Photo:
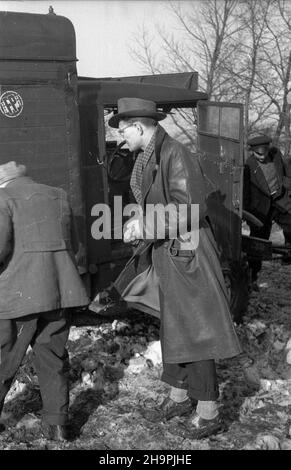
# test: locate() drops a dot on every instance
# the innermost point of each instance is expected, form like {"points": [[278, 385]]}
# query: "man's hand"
{"points": [[132, 232]]}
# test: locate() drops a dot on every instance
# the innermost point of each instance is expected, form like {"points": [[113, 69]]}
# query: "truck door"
{"points": [[106, 256], [94, 180], [220, 141]]}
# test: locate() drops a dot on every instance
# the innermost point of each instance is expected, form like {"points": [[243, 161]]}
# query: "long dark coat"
{"points": [[185, 286], [256, 194], [38, 271]]}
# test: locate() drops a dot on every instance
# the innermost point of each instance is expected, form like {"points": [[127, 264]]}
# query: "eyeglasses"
{"points": [[121, 131]]}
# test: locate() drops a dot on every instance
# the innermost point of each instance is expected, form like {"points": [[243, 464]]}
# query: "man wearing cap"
{"points": [[39, 284], [266, 194], [171, 276]]}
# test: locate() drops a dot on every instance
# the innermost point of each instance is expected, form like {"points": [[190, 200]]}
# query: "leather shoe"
{"points": [[252, 377], [286, 260], [56, 432], [250, 371], [199, 428], [255, 286], [167, 410]]}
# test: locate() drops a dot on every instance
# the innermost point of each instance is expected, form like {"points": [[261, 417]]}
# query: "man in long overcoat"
{"points": [[170, 274], [39, 284], [267, 191]]}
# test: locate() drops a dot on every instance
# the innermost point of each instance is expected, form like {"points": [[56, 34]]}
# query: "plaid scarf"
{"points": [[140, 163]]}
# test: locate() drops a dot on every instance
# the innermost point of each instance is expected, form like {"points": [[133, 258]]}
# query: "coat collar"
{"points": [[153, 164], [258, 174], [19, 181]]}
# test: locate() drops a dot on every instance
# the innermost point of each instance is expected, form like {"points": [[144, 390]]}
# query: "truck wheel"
{"points": [[237, 281]]}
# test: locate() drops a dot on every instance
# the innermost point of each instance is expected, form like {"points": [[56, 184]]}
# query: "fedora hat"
{"points": [[135, 107]]}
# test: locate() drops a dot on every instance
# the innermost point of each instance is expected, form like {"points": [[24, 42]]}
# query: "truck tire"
{"points": [[237, 280]]}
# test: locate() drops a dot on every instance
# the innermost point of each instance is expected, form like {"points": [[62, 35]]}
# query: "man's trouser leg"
{"points": [[262, 232], [52, 364], [15, 337], [199, 378], [284, 221]]}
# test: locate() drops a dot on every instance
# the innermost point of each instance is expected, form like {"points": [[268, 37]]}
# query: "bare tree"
{"points": [[252, 17], [273, 78], [241, 49], [204, 42]]}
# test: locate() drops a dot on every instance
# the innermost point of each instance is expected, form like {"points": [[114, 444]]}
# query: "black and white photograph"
{"points": [[145, 228]]}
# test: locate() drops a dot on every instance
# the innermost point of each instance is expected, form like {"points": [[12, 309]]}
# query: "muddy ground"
{"points": [[115, 369]]}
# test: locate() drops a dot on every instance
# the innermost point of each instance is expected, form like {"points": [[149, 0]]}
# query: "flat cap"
{"points": [[259, 141]]}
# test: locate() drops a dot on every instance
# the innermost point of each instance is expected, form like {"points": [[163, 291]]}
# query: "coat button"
{"points": [[174, 252]]}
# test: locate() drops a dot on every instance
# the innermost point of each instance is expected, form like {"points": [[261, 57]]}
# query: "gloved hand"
{"points": [[132, 231]]}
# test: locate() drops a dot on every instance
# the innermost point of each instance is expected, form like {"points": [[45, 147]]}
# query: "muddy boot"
{"points": [[252, 377], [199, 428], [56, 432], [254, 280], [286, 259], [255, 286], [167, 410], [250, 371]]}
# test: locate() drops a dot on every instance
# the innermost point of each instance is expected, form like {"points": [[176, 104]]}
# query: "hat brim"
{"points": [[259, 142], [116, 118]]}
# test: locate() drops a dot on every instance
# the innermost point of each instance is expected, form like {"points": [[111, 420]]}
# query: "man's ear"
{"points": [[139, 127]]}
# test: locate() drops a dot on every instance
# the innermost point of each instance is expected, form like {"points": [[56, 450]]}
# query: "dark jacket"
{"points": [[256, 195], [196, 322], [38, 270]]}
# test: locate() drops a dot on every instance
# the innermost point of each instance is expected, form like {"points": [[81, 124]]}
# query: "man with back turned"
{"points": [[39, 285]]}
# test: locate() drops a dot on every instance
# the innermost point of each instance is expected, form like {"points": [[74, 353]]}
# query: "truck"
{"points": [[55, 122]]}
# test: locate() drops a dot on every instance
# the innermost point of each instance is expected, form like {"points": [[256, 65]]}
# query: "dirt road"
{"points": [[111, 379]]}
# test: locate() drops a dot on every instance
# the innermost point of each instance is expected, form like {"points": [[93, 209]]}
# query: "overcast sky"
{"points": [[104, 29]]}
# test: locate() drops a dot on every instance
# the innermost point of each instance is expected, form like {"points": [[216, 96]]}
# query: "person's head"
{"points": [[259, 147], [11, 170], [136, 120], [136, 132]]}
